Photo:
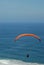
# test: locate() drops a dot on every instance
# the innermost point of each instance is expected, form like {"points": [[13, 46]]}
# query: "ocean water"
{"points": [[14, 53]]}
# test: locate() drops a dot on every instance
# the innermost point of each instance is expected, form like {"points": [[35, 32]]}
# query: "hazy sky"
{"points": [[21, 10]]}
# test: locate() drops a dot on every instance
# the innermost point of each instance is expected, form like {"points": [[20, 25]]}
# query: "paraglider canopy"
{"points": [[22, 35]]}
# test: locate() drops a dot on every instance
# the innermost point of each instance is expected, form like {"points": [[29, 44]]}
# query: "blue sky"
{"points": [[25, 10]]}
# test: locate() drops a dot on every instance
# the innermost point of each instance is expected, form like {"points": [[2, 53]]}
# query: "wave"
{"points": [[15, 62]]}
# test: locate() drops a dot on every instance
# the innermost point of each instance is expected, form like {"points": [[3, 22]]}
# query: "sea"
{"points": [[15, 53]]}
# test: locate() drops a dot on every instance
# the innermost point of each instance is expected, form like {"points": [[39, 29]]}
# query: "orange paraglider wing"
{"points": [[22, 35]]}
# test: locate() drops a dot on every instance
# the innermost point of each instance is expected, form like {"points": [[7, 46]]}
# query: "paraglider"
{"points": [[32, 35], [22, 35], [27, 56]]}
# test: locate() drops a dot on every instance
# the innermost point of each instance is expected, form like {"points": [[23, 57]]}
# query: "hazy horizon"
{"points": [[21, 10]]}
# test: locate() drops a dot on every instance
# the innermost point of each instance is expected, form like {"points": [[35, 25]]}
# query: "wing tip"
{"points": [[40, 40], [14, 40]]}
